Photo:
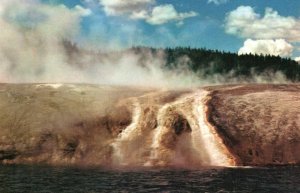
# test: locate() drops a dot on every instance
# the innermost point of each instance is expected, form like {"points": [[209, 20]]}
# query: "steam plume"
{"points": [[32, 49]]}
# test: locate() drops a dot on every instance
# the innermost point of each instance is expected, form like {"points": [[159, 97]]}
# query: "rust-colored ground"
{"points": [[259, 123], [93, 125]]}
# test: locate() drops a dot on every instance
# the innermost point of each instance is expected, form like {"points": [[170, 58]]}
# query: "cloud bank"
{"points": [[146, 10], [270, 33], [267, 47], [246, 23]]}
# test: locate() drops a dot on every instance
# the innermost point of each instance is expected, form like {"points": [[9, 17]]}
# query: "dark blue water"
{"points": [[58, 179]]}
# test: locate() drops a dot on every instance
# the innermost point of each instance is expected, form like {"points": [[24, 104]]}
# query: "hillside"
{"points": [[107, 126]]}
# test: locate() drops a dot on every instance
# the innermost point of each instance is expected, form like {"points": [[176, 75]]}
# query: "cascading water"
{"points": [[122, 143], [155, 144], [182, 137], [217, 152]]}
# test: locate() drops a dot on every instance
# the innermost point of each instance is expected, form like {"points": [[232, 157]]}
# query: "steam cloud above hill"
{"points": [[32, 50]]}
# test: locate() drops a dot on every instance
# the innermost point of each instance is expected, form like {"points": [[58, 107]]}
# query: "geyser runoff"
{"points": [[182, 136]]}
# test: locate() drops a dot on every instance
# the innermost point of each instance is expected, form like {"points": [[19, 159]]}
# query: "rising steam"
{"points": [[32, 50]]}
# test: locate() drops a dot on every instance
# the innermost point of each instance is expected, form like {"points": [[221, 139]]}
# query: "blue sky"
{"points": [[230, 25]]}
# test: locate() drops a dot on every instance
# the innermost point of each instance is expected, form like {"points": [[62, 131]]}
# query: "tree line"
{"points": [[210, 62]]}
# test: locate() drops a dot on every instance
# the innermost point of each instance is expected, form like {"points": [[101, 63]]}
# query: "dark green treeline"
{"points": [[209, 62]]}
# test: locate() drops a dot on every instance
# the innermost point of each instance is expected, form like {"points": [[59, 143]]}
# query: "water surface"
{"points": [[62, 179]]}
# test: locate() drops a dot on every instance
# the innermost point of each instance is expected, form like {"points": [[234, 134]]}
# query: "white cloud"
{"points": [[217, 2], [297, 59], [83, 11], [277, 47], [166, 13], [121, 7], [145, 10], [246, 23]]}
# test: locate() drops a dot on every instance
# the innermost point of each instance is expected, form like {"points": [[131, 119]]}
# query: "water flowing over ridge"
{"points": [[182, 136], [127, 127]]}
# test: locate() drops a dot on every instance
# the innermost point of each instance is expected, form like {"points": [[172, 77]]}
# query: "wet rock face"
{"points": [[260, 124], [8, 154], [117, 119], [180, 125], [174, 124]]}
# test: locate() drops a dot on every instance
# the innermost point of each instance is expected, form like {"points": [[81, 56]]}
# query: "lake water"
{"points": [[60, 179]]}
